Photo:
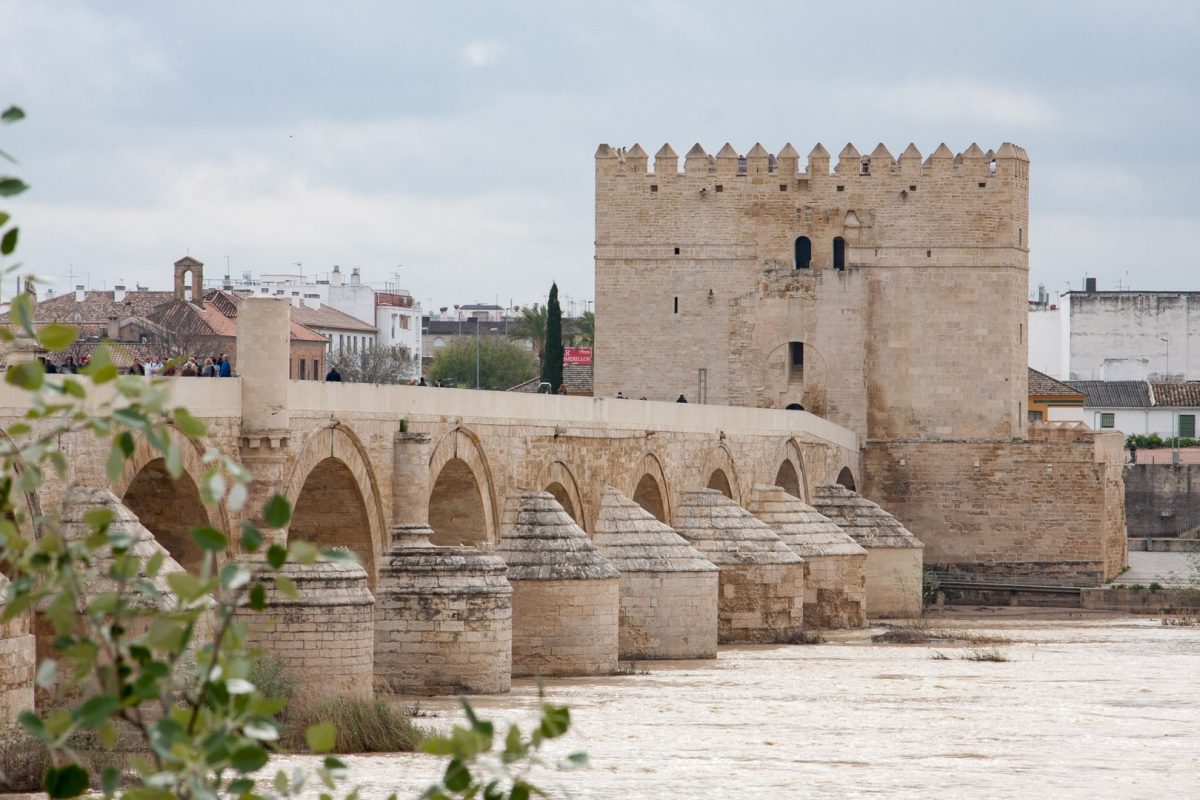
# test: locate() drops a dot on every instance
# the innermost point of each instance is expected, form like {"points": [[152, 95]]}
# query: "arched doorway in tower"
{"points": [[456, 511], [846, 478], [720, 481], [649, 496], [788, 479], [331, 512], [169, 509], [564, 499]]}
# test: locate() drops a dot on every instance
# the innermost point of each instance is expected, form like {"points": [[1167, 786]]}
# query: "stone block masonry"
{"points": [[325, 636], [1048, 510], [18, 662], [566, 595], [443, 618]]}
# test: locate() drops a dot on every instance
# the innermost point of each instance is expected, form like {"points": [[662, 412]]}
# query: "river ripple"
{"points": [[1085, 708]]}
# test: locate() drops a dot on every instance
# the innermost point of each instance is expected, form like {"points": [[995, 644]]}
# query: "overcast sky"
{"points": [[453, 142]]}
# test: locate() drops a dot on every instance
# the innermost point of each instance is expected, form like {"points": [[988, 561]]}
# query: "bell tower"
{"points": [[183, 267]]}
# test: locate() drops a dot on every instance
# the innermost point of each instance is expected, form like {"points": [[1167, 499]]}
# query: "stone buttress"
{"points": [[835, 589], [894, 555], [762, 581], [443, 615], [668, 589], [565, 593], [18, 662]]}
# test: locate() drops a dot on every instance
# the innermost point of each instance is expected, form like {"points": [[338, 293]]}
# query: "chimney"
{"points": [[313, 301], [118, 293], [355, 279], [1089, 284], [336, 278], [79, 293], [295, 299], [113, 330]]}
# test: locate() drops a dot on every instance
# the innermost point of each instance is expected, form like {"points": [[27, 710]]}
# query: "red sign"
{"points": [[577, 355]]}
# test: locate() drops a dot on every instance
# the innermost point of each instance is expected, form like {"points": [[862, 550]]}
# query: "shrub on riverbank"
{"points": [[363, 725]]}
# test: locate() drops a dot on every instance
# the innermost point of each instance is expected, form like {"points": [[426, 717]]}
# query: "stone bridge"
{"points": [[363, 464]]}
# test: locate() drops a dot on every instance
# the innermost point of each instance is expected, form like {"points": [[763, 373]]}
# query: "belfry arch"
{"points": [[335, 498], [650, 488], [846, 478], [461, 499]]}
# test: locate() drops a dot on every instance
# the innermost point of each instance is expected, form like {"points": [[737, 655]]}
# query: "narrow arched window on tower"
{"points": [[803, 252], [839, 253]]}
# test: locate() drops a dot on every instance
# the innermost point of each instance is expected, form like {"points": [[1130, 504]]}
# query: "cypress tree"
{"points": [[552, 364]]}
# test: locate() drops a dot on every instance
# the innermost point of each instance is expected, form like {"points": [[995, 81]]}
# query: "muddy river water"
{"points": [[1084, 707]]}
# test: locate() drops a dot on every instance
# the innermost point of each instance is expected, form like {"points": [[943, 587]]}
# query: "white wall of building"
{"points": [[1067, 414], [1047, 341], [1134, 336], [1140, 421], [400, 326]]}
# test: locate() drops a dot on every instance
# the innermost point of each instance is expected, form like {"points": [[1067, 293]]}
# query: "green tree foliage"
{"points": [[552, 360], [532, 326], [502, 364], [584, 330], [173, 670]]}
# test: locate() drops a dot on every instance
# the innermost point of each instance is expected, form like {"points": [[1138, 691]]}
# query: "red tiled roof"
{"points": [[1042, 384], [1186, 395]]}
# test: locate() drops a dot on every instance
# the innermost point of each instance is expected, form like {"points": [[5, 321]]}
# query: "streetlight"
{"points": [[477, 350], [1167, 339]]}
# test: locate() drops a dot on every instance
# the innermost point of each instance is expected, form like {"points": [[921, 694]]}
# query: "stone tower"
{"points": [[886, 295], [189, 267]]}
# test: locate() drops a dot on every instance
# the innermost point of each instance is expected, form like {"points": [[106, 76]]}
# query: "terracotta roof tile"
{"points": [[1113, 394], [1185, 395], [1042, 384]]}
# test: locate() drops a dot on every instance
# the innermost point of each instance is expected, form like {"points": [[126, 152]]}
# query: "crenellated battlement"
{"points": [[1008, 160]]}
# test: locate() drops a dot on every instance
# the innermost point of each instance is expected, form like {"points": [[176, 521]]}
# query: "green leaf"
{"points": [[12, 114], [258, 597], [437, 746], [520, 791], [185, 587], [457, 777], [115, 463], [276, 555], [321, 737], [555, 721], [96, 710], [302, 552], [8, 244], [155, 564], [261, 729], [252, 538], [239, 686], [576, 760], [21, 312], [107, 733], [110, 779], [234, 575], [277, 512], [55, 336], [69, 781], [286, 586], [188, 425], [26, 374], [10, 186], [47, 673], [248, 758], [33, 724], [98, 518], [174, 460], [209, 538]]}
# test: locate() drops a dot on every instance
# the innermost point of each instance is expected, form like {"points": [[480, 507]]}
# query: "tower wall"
{"points": [[921, 335]]}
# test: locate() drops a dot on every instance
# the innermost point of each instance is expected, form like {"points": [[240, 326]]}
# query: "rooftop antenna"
{"points": [[300, 267]]}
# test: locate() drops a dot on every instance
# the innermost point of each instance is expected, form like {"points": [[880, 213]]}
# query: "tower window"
{"points": [[839, 253], [676, 251], [803, 252], [654, 187], [795, 362], [676, 305]]}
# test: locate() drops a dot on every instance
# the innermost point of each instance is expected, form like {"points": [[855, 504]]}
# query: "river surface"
{"points": [[1086, 706]]}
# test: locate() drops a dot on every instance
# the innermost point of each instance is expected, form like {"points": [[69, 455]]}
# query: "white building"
{"points": [[1141, 407], [1048, 341], [391, 317], [1134, 336]]}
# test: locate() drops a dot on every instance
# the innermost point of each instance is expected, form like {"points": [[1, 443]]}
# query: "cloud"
{"points": [[968, 101], [482, 53]]}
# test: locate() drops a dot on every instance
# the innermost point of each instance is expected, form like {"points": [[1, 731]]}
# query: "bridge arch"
{"points": [[720, 473], [846, 478], [649, 488], [557, 479], [32, 505], [790, 473], [335, 496], [462, 498], [170, 508]]}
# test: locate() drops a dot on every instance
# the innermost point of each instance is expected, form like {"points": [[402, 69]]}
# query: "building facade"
{"points": [[1134, 336]]}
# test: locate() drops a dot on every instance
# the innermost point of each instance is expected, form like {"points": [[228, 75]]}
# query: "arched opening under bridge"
{"points": [[331, 512], [169, 509], [456, 511]]}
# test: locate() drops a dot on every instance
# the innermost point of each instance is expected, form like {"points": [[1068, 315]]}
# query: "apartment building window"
{"points": [[316, 369], [302, 365], [1187, 426], [404, 323], [1108, 420]]}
